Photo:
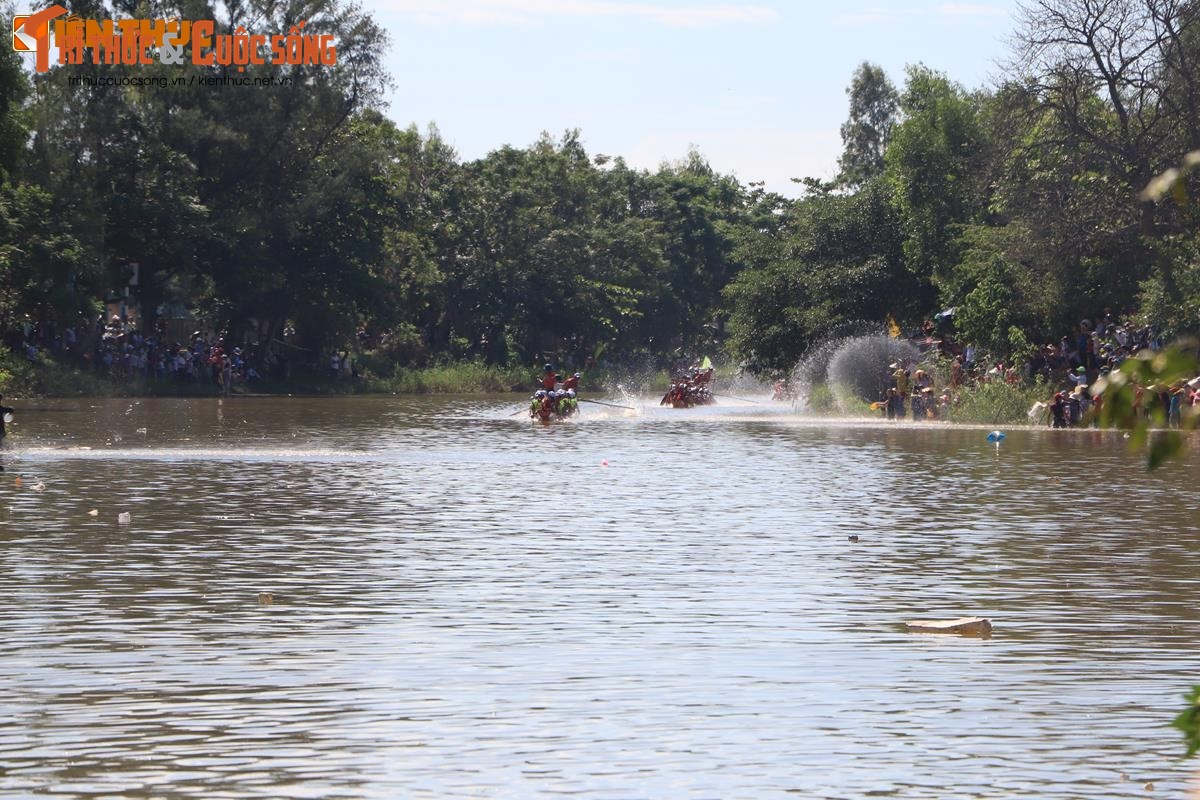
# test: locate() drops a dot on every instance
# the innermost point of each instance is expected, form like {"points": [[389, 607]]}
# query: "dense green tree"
{"points": [[930, 165], [985, 314], [14, 89], [836, 260]]}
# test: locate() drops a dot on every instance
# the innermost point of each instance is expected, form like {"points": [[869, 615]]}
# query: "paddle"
{"points": [[518, 411], [610, 405], [731, 397]]}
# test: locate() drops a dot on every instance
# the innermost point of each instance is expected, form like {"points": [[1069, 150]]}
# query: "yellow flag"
{"points": [[706, 363], [893, 328]]}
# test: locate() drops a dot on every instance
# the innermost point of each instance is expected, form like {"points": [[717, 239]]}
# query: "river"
{"points": [[661, 604]]}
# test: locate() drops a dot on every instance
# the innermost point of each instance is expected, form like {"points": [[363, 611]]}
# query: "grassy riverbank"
{"points": [[19, 378], [994, 403]]}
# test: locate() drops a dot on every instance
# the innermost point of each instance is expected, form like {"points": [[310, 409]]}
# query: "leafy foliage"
{"points": [[1188, 722], [1130, 401]]}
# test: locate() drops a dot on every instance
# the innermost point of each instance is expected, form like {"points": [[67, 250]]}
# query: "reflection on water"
{"points": [[469, 605]]}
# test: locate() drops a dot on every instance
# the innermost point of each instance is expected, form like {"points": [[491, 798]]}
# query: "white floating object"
{"points": [[8, 417], [38, 487], [94, 513], [963, 626], [124, 518]]}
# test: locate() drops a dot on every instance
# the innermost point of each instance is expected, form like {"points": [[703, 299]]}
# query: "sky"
{"points": [[758, 88]]}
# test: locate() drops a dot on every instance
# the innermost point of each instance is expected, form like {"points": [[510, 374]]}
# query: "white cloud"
{"points": [[517, 12]]}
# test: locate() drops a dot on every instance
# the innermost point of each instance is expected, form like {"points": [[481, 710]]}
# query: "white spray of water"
{"points": [[855, 369]]}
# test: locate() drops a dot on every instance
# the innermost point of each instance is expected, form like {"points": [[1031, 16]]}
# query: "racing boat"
{"points": [[691, 389], [553, 405]]}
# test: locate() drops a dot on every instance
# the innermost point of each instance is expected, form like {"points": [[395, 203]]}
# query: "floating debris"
{"points": [[963, 626], [265, 598], [95, 512], [38, 487], [124, 518], [852, 537]]}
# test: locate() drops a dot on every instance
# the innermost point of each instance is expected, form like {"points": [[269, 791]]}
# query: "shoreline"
{"points": [[22, 380]]}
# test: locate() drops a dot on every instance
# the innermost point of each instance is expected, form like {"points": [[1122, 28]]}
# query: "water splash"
{"points": [[854, 370]]}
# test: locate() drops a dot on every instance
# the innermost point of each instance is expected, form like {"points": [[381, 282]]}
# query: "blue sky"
{"points": [[758, 87]]}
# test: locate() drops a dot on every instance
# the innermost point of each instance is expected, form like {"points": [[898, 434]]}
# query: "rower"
{"points": [[4, 412], [536, 402], [572, 382], [549, 379], [546, 407]]}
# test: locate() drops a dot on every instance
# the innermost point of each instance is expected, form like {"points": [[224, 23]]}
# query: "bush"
{"points": [[820, 399], [997, 402], [19, 378], [462, 377]]}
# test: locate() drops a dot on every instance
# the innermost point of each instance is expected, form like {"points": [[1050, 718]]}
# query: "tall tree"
{"points": [[932, 165], [865, 134]]}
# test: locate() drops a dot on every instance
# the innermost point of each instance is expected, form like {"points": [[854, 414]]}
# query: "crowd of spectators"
{"points": [[1069, 367], [117, 347]]}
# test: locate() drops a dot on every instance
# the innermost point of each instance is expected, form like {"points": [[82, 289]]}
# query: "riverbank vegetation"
{"points": [[308, 223]]}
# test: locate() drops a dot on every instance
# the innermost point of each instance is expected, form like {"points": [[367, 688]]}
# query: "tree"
{"points": [[834, 260], [932, 166], [865, 135], [1124, 50], [984, 316], [14, 89]]}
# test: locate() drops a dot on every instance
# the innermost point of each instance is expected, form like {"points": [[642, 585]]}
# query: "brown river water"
{"points": [[661, 604]]}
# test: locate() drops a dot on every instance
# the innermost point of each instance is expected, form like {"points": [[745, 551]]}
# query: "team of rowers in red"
{"points": [[691, 389]]}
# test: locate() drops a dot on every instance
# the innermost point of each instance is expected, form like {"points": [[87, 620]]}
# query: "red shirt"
{"points": [[549, 381], [571, 383]]}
